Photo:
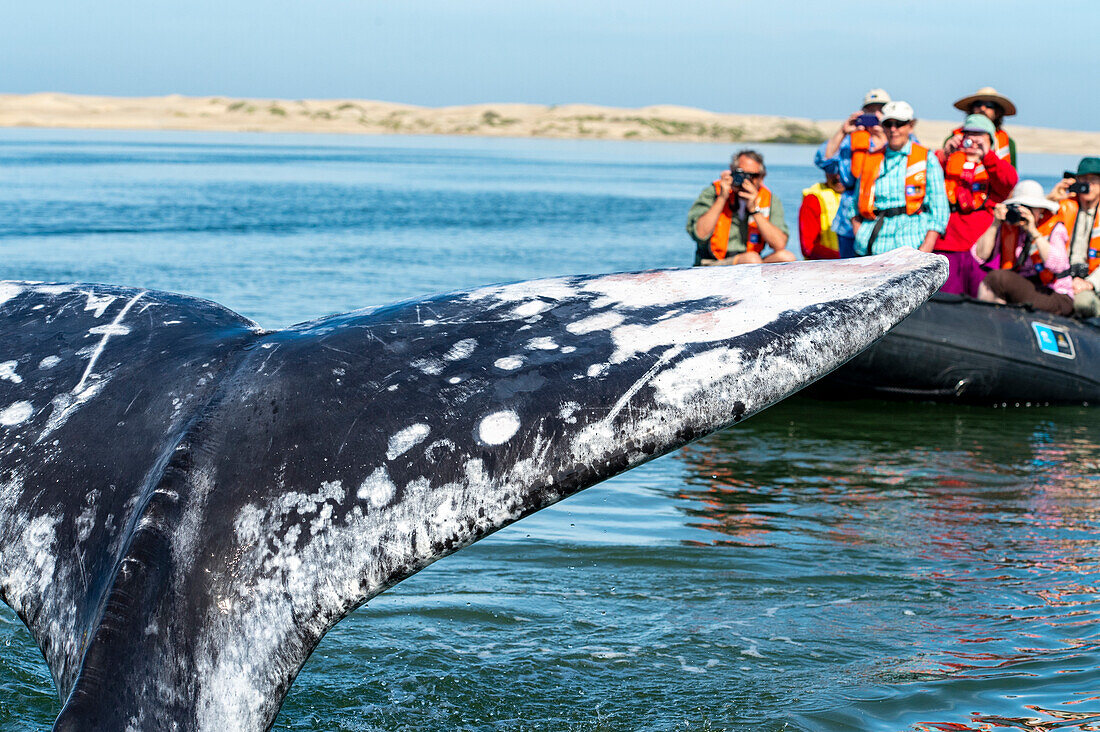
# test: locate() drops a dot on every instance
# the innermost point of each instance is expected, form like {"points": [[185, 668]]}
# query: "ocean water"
{"points": [[823, 566]]}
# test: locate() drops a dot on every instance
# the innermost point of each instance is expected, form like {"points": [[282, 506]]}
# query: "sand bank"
{"points": [[572, 121]]}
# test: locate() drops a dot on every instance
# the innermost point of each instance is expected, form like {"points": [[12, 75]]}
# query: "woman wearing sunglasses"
{"points": [[900, 196], [995, 106]]}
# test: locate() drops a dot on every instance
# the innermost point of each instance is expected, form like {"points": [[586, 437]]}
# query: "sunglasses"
{"points": [[746, 174], [985, 105], [893, 124]]}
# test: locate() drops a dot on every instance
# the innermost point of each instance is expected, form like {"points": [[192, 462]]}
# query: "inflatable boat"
{"points": [[954, 348]]}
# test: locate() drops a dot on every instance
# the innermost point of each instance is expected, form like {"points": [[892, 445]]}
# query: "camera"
{"points": [[1080, 270], [968, 142], [1079, 187], [1014, 216], [739, 177]]}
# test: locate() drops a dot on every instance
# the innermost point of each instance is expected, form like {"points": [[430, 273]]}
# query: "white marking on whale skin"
{"points": [[377, 488], [508, 363], [7, 372], [63, 405], [103, 343], [49, 362], [600, 321], [391, 387], [39, 307], [171, 322], [112, 329], [527, 309], [498, 427], [429, 366], [406, 439], [16, 413], [568, 349], [598, 369], [454, 380], [542, 343], [9, 290], [85, 522], [53, 290], [98, 304], [461, 350]]}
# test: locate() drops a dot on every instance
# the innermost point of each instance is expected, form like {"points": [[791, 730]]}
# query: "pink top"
{"points": [[1057, 260]]}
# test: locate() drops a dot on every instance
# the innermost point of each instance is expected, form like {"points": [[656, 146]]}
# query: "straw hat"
{"points": [[987, 94], [1030, 193]]}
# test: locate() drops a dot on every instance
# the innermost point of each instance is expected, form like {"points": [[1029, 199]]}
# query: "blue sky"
{"points": [[810, 59]]}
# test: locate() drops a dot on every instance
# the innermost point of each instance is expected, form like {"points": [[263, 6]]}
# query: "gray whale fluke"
{"points": [[188, 503]]}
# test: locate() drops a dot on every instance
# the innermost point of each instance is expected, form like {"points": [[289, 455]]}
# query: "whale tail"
{"points": [[189, 503]]}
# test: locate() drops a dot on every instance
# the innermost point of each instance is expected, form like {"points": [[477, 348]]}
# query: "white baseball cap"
{"points": [[900, 111], [876, 96]]}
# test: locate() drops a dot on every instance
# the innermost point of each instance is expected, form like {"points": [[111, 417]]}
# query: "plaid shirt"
{"points": [[904, 231]]}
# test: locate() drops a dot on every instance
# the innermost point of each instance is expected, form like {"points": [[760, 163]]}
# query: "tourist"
{"points": [[851, 139], [899, 189], [820, 203], [736, 217], [1078, 196], [976, 180], [995, 106], [1034, 258]]}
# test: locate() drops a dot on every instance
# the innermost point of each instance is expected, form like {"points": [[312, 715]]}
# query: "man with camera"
{"points": [[844, 151], [736, 217], [975, 179], [1078, 197]]}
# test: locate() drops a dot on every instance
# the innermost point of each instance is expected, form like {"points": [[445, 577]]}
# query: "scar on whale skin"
{"points": [[262, 485]]}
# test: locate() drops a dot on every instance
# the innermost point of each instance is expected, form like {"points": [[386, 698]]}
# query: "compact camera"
{"points": [[1014, 216], [968, 142], [739, 177], [1079, 187]]}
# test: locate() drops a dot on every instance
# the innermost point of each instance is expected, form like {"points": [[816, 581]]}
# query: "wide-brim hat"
{"points": [[1030, 193], [1087, 166], [987, 94]]}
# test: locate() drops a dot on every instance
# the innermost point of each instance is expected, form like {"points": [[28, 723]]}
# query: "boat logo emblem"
{"points": [[1054, 340]]}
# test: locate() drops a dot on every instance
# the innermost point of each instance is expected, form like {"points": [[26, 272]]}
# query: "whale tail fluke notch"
{"points": [[187, 503]]}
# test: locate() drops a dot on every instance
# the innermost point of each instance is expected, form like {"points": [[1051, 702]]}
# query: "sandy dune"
{"points": [[664, 122]]}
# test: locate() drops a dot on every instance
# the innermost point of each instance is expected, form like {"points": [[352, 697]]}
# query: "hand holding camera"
{"points": [[725, 183]]}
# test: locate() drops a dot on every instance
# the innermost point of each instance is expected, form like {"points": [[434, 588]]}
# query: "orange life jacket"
{"points": [[1010, 238], [915, 180], [1067, 214], [960, 173], [861, 145], [1003, 149], [720, 239]]}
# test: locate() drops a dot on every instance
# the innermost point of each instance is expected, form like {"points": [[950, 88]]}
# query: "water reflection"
{"points": [[996, 508]]}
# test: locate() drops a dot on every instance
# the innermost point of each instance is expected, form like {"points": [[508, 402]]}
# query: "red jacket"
{"points": [[963, 229]]}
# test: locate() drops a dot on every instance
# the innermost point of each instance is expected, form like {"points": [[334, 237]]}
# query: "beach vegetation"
{"points": [[235, 106], [796, 133], [277, 110], [322, 114], [347, 105], [495, 119]]}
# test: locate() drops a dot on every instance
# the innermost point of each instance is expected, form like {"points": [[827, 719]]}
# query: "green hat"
{"points": [[1087, 166], [980, 123]]}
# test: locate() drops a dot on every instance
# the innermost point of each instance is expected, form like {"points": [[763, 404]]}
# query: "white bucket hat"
{"points": [[1030, 193]]}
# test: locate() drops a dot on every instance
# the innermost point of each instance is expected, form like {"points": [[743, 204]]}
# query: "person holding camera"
{"points": [[899, 189], [840, 153], [976, 180], [1034, 258], [995, 107], [1078, 197], [736, 217]]}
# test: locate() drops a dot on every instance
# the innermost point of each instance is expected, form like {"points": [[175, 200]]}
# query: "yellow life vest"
{"points": [[823, 243]]}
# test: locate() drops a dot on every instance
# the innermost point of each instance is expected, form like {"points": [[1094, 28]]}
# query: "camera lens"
{"points": [[738, 178]]}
